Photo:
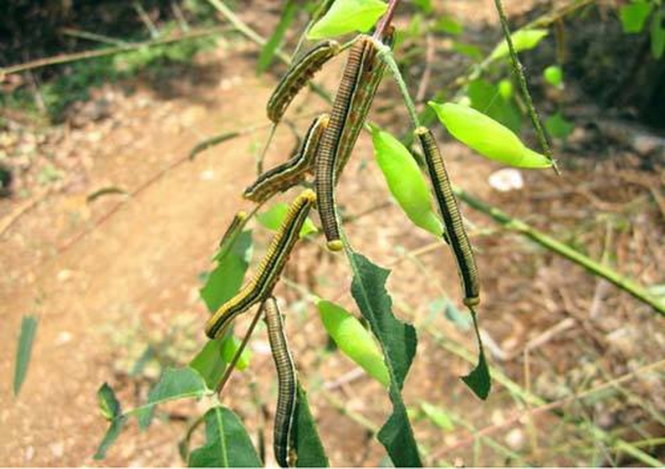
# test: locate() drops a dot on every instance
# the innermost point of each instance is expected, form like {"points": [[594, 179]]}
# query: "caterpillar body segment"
{"points": [[327, 160], [369, 78], [300, 72], [455, 233], [270, 268], [293, 171], [283, 444]]}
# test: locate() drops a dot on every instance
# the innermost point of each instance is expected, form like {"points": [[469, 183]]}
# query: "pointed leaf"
{"points": [[524, 39], [398, 341], [483, 96], [354, 340], [306, 437], [108, 403], [175, 383], [24, 351], [270, 47], [405, 181], [488, 137], [273, 217], [479, 379], [226, 279], [558, 126], [227, 442], [346, 16]]}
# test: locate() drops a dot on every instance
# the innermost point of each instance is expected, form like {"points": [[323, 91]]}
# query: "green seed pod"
{"points": [[487, 136], [405, 181], [554, 75], [524, 39], [506, 89], [354, 340]]}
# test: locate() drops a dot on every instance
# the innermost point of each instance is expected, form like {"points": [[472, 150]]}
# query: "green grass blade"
{"points": [[24, 351]]}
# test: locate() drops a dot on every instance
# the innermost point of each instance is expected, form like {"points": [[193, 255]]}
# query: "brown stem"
{"points": [[386, 20]]}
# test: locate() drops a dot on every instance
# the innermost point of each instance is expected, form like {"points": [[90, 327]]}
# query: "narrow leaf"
{"points": [[657, 32], [273, 217], [24, 351], [209, 362], [488, 137], [405, 181], [306, 437], [346, 16], [226, 279], [269, 49], [108, 402], [354, 340], [524, 39], [227, 442], [175, 383], [114, 430], [398, 341], [479, 379]]}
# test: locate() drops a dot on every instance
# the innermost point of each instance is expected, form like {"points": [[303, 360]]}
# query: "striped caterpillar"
{"points": [[362, 75], [286, 175], [297, 76], [452, 219], [287, 386], [270, 269]]}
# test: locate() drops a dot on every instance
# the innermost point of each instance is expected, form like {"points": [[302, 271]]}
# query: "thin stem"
{"points": [[563, 250], [231, 366], [386, 20], [518, 70], [387, 56]]}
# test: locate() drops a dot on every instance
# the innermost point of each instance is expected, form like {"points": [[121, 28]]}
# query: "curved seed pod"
{"points": [[452, 219], [297, 76], [288, 174], [270, 269], [287, 385]]}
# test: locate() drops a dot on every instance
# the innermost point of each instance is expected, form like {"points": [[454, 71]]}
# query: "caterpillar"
{"points": [[362, 75], [287, 385], [286, 175], [297, 76], [452, 219], [270, 268]]}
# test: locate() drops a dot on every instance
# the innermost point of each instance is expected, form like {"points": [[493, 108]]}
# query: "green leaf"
{"points": [[554, 76], [484, 98], [226, 279], [405, 181], [346, 16], [354, 340], [227, 442], [306, 437], [398, 341], [175, 383], [114, 430], [658, 34], [108, 403], [479, 379], [424, 5], [524, 39], [634, 16], [229, 349], [209, 362], [270, 47], [438, 416], [488, 137], [449, 25], [469, 50], [558, 126], [273, 217], [24, 351]]}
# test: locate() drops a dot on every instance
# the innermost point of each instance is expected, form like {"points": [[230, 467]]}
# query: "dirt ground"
{"points": [[109, 277]]}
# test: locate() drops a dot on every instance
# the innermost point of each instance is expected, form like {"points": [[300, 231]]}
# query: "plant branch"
{"points": [[518, 70], [91, 54], [386, 20], [563, 250]]}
